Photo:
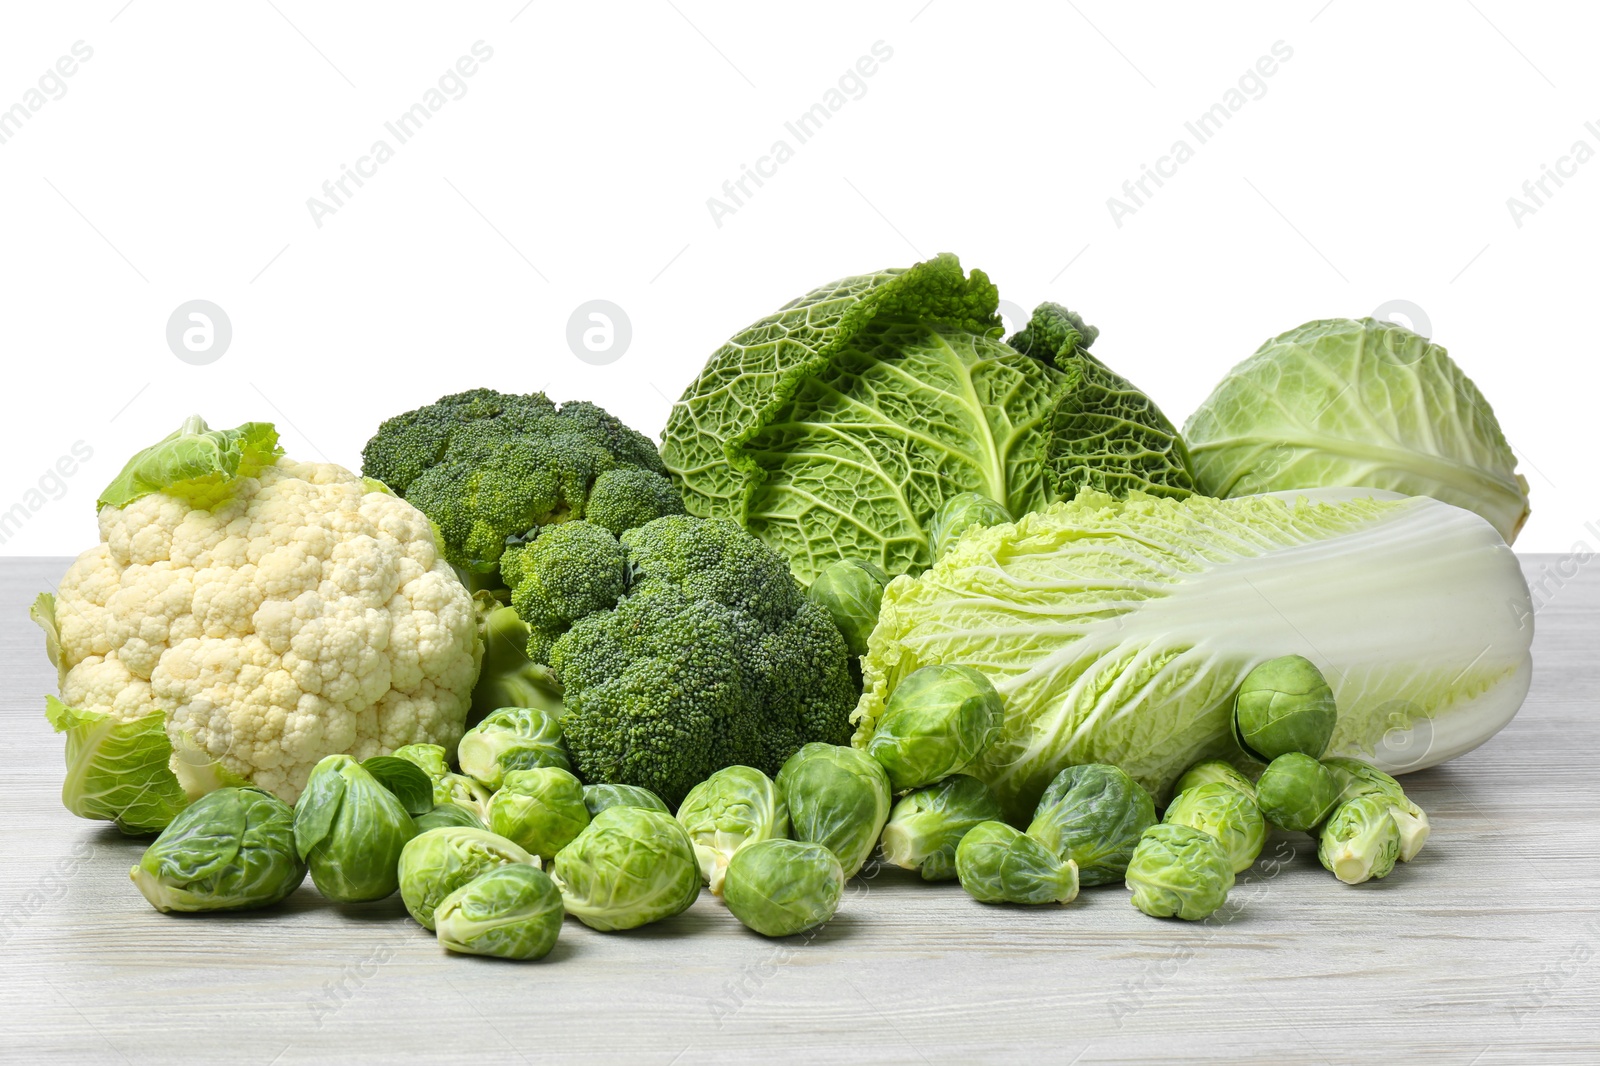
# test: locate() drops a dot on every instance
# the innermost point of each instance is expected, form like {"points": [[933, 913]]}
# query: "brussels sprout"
{"points": [[431, 759], [463, 791], [599, 797], [436, 863], [1093, 814], [851, 591], [1179, 872], [513, 912], [961, 512], [1227, 814], [407, 781], [781, 887], [631, 866], [1204, 773], [1356, 778], [512, 738], [837, 797], [1360, 840], [925, 826], [1284, 705], [349, 829], [230, 850], [448, 814], [1296, 792], [997, 864], [733, 807], [541, 810], [937, 720]]}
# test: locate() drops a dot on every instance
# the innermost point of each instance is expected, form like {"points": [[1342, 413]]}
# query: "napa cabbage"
{"points": [[1118, 631]]}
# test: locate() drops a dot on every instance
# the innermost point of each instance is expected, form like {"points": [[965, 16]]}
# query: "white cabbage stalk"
{"points": [[1118, 631]]}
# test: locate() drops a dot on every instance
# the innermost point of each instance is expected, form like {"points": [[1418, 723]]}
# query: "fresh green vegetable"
{"points": [[444, 814], [1093, 814], [781, 887], [431, 759], [925, 826], [508, 678], [569, 572], [837, 797], [1209, 770], [464, 792], [1356, 778], [513, 912], [1118, 632], [457, 799], [630, 867], [512, 738], [1296, 792], [599, 797], [436, 863], [1179, 872], [243, 616], [232, 849], [997, 864], [1368, 403], [402, 778], [960, 513], [1227, 814], [1360, 840], [1284, 705], [713, 658], [350, 830], [938, 720], [851, 591], [834, 428], [489, 468], [541, 810], [728, 811]]}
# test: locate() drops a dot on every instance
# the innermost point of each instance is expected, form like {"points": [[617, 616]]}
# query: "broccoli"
{"points": [[713, 656], [486, 467]]}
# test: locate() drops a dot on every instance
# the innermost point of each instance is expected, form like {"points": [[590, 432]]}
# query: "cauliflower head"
{"points": [[306, 613]]}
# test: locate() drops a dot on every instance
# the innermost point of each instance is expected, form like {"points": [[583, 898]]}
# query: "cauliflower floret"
{"points": [[304, 616]]}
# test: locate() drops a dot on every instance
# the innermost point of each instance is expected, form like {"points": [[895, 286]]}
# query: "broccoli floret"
{"points": [[568, 572], [629, 496], [486, 466], [713, 657]]}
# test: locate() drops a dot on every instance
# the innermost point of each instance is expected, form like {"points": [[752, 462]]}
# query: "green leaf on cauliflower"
{"points": [[197, 464], [117, 770]]}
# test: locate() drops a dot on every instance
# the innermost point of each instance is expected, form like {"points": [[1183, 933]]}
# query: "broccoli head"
{"points": [[569, 571], [486, 467], [713, 656]]}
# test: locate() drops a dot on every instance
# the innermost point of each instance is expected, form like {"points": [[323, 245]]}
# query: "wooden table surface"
{"points": [[1486, 949]]}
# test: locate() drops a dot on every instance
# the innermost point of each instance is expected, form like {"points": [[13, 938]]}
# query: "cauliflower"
{"points": [[304, 612]]}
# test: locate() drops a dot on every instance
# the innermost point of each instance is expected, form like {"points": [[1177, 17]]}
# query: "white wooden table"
{"points": [[1484, 950]]}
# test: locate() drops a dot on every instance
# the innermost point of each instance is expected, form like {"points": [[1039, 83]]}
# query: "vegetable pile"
{"points": [[894, 585]]}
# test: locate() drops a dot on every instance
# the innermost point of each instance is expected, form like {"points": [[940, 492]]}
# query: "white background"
{"points": [[578, 164]]}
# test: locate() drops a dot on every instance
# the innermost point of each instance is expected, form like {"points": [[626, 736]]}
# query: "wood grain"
{"points": [[1484, 950]]}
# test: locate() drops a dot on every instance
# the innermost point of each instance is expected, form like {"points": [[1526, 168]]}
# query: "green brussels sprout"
{"points": [[436, 863], [541, 810], [851, 591], [1356, 778], [1093, 814], [1284, 705], [512, 738], [1296, 792], [513, 912], [926, 825], [599, 797], [431, 759], [960, 513], [349, 830], [781, 887], [448, 814], [630, 867], [837, 797], [1179, 872], [407, 781], [997, 864], [1204, 773], [1227, 814], [1360, 840], [937, 721], [734, 807], [230, 850], [463, 791]]}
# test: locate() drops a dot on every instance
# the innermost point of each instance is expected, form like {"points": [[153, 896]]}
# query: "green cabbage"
{"points": [[1118, 632], [835, 428], [1367, 403]]}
